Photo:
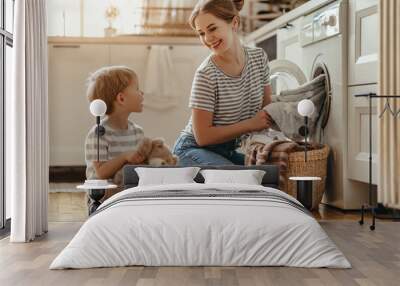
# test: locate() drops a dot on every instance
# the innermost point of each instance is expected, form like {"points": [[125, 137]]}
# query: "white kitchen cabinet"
{"points": [[358, 134], [363, 42], [133, 56], [69, 117]]}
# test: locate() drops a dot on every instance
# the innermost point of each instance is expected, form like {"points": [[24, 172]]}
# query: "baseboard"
{"points": [[344, 211], [383, 212], [67, 174]]}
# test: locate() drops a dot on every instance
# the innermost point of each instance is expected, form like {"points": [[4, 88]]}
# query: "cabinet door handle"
{"points": [[366, 94], [286, 26], [67, 46]]}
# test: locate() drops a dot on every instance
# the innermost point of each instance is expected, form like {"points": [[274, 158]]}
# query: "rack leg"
{"points": [[372, 227], [361, 221]]}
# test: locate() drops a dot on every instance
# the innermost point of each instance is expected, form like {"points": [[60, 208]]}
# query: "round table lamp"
{"points": [[305, 108]]}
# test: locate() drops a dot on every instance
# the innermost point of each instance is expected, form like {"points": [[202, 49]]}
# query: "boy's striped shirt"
{"points": [[112, 144]]}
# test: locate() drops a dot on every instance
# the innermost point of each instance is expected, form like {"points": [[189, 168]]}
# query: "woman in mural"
{"points": [[229, 89]]}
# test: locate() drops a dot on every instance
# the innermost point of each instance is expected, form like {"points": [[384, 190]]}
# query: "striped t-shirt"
{"points": [[112, 144], [230, 98]]}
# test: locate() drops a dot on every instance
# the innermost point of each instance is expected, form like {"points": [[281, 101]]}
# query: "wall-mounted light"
{"points": [[98, 108], [305, 108]]}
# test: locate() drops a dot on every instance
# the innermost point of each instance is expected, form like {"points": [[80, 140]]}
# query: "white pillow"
{"points": [[248, 177], [163, 176]]}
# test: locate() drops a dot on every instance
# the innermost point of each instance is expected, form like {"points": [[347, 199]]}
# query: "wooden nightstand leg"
{"points": [[95, 196]]}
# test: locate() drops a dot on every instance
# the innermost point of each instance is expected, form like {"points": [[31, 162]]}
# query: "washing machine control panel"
{"points": [[321, 24]]}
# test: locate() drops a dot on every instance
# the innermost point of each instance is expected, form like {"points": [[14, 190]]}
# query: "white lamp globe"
{"points": [[98, 107], [306, 107]]}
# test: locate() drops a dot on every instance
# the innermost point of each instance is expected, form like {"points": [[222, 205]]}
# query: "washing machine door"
{"points": [[285, 75]]}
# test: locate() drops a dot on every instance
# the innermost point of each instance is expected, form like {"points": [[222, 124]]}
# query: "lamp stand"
{"points": [[100, 131], [96, 195], [98, 137], [305, 138]]}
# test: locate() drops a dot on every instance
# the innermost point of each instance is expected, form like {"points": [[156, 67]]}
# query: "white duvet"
{"points": [[200, 231]]}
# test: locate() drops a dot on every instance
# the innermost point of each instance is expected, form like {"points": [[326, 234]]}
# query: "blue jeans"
{"points": [[190, 153]]}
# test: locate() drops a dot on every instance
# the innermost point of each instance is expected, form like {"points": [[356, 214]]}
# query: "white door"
{"points": [[285, 75], [363, 42], [358, 134]]}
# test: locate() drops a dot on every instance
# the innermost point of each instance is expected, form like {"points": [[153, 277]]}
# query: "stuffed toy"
{"points": [[157, 153]]}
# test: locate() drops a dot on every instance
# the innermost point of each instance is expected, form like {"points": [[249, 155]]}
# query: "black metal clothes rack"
{"points": [[372, 206]]}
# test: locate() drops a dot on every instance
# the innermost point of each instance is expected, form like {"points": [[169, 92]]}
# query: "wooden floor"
{"points": [[375, 257], [67, 207]]}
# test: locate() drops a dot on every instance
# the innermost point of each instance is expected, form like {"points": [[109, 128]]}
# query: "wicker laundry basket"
{"points": [[316, 166]]}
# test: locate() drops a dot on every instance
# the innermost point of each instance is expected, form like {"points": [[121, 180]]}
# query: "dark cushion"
{"points": [[270, 179]]}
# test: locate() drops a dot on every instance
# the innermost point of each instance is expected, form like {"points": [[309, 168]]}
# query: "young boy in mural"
{"points": [[123, 141]]}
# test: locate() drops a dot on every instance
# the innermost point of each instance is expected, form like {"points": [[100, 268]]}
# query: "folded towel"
{"points": [[318, 81], [266, 136], [161, 82], [283, 109], [276, 153]]}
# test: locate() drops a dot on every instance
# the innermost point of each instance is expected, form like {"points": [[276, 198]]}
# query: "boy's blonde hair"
{"points": [[107, 82]]}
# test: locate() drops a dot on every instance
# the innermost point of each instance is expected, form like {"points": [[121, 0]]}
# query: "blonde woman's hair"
{"points": [[223, 9], [107, 82]]}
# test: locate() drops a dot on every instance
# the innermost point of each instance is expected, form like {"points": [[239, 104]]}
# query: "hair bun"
{"points": [[238, 4]]}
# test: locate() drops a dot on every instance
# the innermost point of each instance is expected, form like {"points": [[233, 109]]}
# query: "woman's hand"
{"points": [[206, 133], [260, 121]]}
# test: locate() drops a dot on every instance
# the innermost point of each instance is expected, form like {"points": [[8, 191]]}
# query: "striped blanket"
{"points": [[206, 194]]}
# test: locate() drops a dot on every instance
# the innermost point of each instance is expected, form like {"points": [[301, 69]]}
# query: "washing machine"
{"points": [[321, 48]]}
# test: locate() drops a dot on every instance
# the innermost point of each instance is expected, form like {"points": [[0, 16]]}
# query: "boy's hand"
{"points": [[142, 153], [145, 146], [134, 157]]}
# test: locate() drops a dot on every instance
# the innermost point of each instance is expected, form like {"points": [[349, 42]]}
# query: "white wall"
{"points": [[70, 120]]}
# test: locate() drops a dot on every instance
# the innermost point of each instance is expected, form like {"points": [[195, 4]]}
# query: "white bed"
{"points": [[246, 225]]}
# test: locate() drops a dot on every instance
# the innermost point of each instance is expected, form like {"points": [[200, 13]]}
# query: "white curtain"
{"points": [[389, 84], [27, 123]]}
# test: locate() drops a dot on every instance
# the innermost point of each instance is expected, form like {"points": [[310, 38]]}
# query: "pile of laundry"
{"points": [[274, 145], [283, 109]]}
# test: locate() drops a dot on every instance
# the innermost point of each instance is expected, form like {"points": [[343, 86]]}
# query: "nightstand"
{"points": [[96, 191], [305, 189]]}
